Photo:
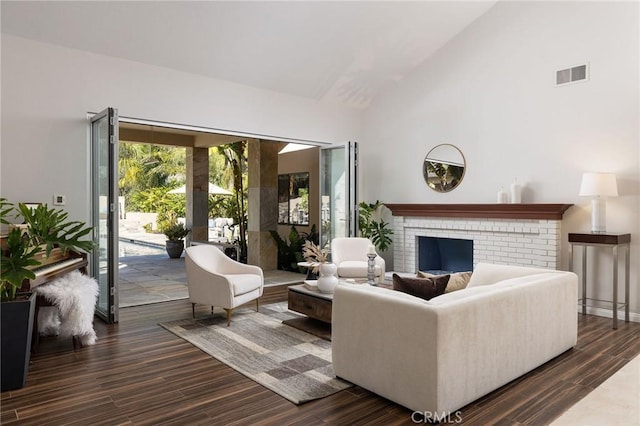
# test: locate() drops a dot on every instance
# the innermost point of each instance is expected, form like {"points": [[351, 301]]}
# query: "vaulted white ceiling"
{"points": [[337, 51]]}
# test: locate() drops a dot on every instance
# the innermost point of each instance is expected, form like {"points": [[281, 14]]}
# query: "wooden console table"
{"points": [[607, 240]]}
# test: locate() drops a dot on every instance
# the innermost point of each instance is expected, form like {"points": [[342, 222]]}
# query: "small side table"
{"points": [[608, 240]]}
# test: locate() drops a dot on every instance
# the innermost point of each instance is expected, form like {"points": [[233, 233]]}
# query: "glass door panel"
{"points": [[104, 146], [338, 192]]}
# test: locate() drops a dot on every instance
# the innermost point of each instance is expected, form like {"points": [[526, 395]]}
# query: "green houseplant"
{"points": [[15, 258], [17, 310], [175, 233], [46, 230], [290, 253], [371, 228], [51, 229]]}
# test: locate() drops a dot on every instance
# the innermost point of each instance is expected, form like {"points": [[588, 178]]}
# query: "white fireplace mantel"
{"points": [[514, 234]]}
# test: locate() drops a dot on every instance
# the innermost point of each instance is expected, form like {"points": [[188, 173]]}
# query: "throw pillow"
{"points": [[425, 288], [458, 280]]}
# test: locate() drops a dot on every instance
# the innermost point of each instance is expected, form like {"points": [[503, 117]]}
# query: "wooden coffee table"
{"points": [[312, 303], [317, 308]]}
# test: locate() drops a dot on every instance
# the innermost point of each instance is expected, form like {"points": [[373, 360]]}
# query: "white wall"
{"points": [[490, 91], [47, 91]]}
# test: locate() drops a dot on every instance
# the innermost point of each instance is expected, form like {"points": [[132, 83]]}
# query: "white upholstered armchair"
{"points": [[214, 279], [349, 254]]}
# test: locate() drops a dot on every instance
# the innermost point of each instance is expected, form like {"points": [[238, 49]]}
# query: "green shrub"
{"points": [[290, 253], [175, 231]]}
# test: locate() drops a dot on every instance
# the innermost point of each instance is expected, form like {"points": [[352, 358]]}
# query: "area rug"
{"points": [[614, 402], [294, 364]]}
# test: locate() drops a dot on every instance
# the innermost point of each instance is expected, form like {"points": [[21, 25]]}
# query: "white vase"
{"points": [[502, 196], [516, 192], [327, 281]]}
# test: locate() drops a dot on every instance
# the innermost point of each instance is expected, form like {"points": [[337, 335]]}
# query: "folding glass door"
{"points": [[104, 148], [338, 192]]}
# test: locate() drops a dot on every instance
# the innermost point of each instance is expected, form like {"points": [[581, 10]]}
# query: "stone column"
{"points": [[197, 211], [263, 203]]}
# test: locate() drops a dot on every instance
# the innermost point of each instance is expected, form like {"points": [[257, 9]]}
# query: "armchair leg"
{"points": [[257, 305], [229, 311], [193, 309]]}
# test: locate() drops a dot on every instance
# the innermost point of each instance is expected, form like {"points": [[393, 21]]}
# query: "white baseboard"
{"points": [[608, 313]]}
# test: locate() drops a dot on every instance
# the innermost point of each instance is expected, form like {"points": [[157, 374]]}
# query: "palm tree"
{"points": [[235, 155], [143, 168]]}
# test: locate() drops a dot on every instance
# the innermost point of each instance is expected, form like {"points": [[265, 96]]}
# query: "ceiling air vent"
{"points": [[572, 75]]}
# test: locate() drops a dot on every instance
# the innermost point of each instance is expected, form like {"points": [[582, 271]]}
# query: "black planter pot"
{"points": [[175, 248], [17, 329]]}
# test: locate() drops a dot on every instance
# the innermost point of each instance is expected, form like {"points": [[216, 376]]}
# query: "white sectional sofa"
{"points": [[437, 356]]}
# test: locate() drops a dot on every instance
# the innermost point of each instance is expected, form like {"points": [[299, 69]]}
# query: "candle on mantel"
{"points": [[371, 250]]}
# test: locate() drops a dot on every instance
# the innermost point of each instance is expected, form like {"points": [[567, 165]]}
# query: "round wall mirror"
{"points": [[443, 168]]}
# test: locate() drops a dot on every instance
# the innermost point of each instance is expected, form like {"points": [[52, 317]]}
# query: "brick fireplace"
{"points": [[514, 234]]}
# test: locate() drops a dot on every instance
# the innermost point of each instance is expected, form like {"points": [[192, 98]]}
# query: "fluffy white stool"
{"points": [[73, 297]]}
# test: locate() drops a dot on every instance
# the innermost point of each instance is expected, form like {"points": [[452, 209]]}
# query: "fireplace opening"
{"points": [[444, 255]]}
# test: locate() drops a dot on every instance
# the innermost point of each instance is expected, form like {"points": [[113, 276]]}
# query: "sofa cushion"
{"points": [[457, 281], [424, 288], [487, 273], [356, 269]]}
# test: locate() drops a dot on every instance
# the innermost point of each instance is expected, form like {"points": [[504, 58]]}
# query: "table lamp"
{"points": [[599, 186]]}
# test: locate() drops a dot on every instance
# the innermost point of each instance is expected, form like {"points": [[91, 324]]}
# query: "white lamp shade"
{"points": [[599, 185]]}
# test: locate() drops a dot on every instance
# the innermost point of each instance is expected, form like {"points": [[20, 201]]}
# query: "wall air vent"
{"points": [[572, 75]]}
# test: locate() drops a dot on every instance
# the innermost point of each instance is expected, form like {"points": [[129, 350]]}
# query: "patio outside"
{"points": [[147, 275]]}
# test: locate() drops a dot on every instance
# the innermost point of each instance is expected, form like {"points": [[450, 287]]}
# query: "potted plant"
{"points": [[17, 312], [319, 258], [17, 309], [53, 232], [46, 230], [175, 233], [370, 228], [290, 253]]}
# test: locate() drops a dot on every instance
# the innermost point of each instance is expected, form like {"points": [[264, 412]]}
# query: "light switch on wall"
{"points": [[59, 200]]}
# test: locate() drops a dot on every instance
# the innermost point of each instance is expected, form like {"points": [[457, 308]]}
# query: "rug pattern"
{"points": [[288, 361]]}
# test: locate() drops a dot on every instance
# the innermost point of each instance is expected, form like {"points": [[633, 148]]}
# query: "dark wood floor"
{"points": [[139, 373]]}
